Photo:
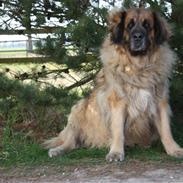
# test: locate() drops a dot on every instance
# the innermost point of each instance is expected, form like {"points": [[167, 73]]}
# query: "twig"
{"points": [[81, 82]]}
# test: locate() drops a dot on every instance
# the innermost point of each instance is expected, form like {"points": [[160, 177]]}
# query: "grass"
{"points": [[18, 153], [13, 53], [32, 69], [55, 79], [27, 67], [34, 154]]}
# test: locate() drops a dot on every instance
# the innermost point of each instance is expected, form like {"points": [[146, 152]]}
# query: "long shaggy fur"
{"points": [[138, 83]]}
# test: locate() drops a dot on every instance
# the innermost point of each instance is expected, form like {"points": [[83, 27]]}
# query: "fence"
{"points": [[18, 48]]}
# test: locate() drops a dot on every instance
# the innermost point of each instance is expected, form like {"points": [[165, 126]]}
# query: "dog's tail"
{"points": [[53, 142], [67, 138], [70, 135]]}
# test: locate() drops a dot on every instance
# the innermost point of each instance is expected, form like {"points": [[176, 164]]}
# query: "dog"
{"points": [[129, 103]]}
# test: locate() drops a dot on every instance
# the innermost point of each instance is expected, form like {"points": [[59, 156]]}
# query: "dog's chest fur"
{"points": [[140, 81], [137, 88]]}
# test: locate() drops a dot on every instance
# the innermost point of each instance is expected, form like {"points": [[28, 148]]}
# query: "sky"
{"points": [[20, 37]]}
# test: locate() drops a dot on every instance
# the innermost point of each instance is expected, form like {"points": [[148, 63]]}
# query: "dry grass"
{"points": [[54, 78]]}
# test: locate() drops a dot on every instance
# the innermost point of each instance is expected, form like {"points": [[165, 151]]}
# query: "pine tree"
{"points": [[82, 27], [76, 44]]}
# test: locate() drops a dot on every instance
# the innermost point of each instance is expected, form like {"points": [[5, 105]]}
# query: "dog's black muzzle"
{"points": [[138, 41]]}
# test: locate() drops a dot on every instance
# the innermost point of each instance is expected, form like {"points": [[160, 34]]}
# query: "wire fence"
{"points": [[18, 49]]}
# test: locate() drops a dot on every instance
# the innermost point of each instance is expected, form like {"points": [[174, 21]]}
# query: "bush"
{"points": [[27, 111]]}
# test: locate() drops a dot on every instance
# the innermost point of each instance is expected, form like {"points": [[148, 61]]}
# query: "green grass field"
{"points": [[12, 54], [23, 153], [15, 53]]}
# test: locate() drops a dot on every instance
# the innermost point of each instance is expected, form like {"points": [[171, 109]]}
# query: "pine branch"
{"points": [[81, 82]]}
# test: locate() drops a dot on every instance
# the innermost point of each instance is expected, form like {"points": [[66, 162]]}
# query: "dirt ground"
{"points": [[128, 172]]}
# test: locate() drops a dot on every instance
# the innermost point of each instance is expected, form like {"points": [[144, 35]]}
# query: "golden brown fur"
{"points": [[129, 104]]}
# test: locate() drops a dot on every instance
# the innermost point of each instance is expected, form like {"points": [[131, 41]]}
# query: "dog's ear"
{"points": [[162, 30], [116, 25]]}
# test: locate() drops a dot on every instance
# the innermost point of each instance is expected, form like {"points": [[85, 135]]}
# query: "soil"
{"points": [[127, 172]]}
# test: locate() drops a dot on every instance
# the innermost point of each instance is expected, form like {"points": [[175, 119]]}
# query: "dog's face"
{"points": [[138, 30]]}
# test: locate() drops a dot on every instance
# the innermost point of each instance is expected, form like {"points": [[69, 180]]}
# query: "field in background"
{"points": [[17, 54], [54, 79]]}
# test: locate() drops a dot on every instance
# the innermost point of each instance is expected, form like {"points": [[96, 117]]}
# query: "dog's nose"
{"points": [[138, 36]]}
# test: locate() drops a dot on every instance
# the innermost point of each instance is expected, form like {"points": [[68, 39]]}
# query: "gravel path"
{"points": [[129, 172]]}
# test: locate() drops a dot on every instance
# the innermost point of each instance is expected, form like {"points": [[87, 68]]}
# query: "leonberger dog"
{"points": [[129, 103]]}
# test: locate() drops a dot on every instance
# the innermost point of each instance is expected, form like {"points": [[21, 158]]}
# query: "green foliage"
{"points": [[40, 19], [29, 112], [82, 27], [177, 23], [71, 45]]}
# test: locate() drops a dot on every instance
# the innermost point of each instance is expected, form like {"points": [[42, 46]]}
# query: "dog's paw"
{"points": [[115, 156], [55, 151], [177, 153]]}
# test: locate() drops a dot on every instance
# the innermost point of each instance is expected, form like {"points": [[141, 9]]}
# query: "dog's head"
{"points": [[138, 30]]}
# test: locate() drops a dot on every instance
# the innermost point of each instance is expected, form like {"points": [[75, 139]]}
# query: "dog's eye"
{"points": [[146, 25], [131, 24]]}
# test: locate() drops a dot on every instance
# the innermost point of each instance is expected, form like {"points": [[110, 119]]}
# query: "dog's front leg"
{"points": [[116, 152], [171, 147]]}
